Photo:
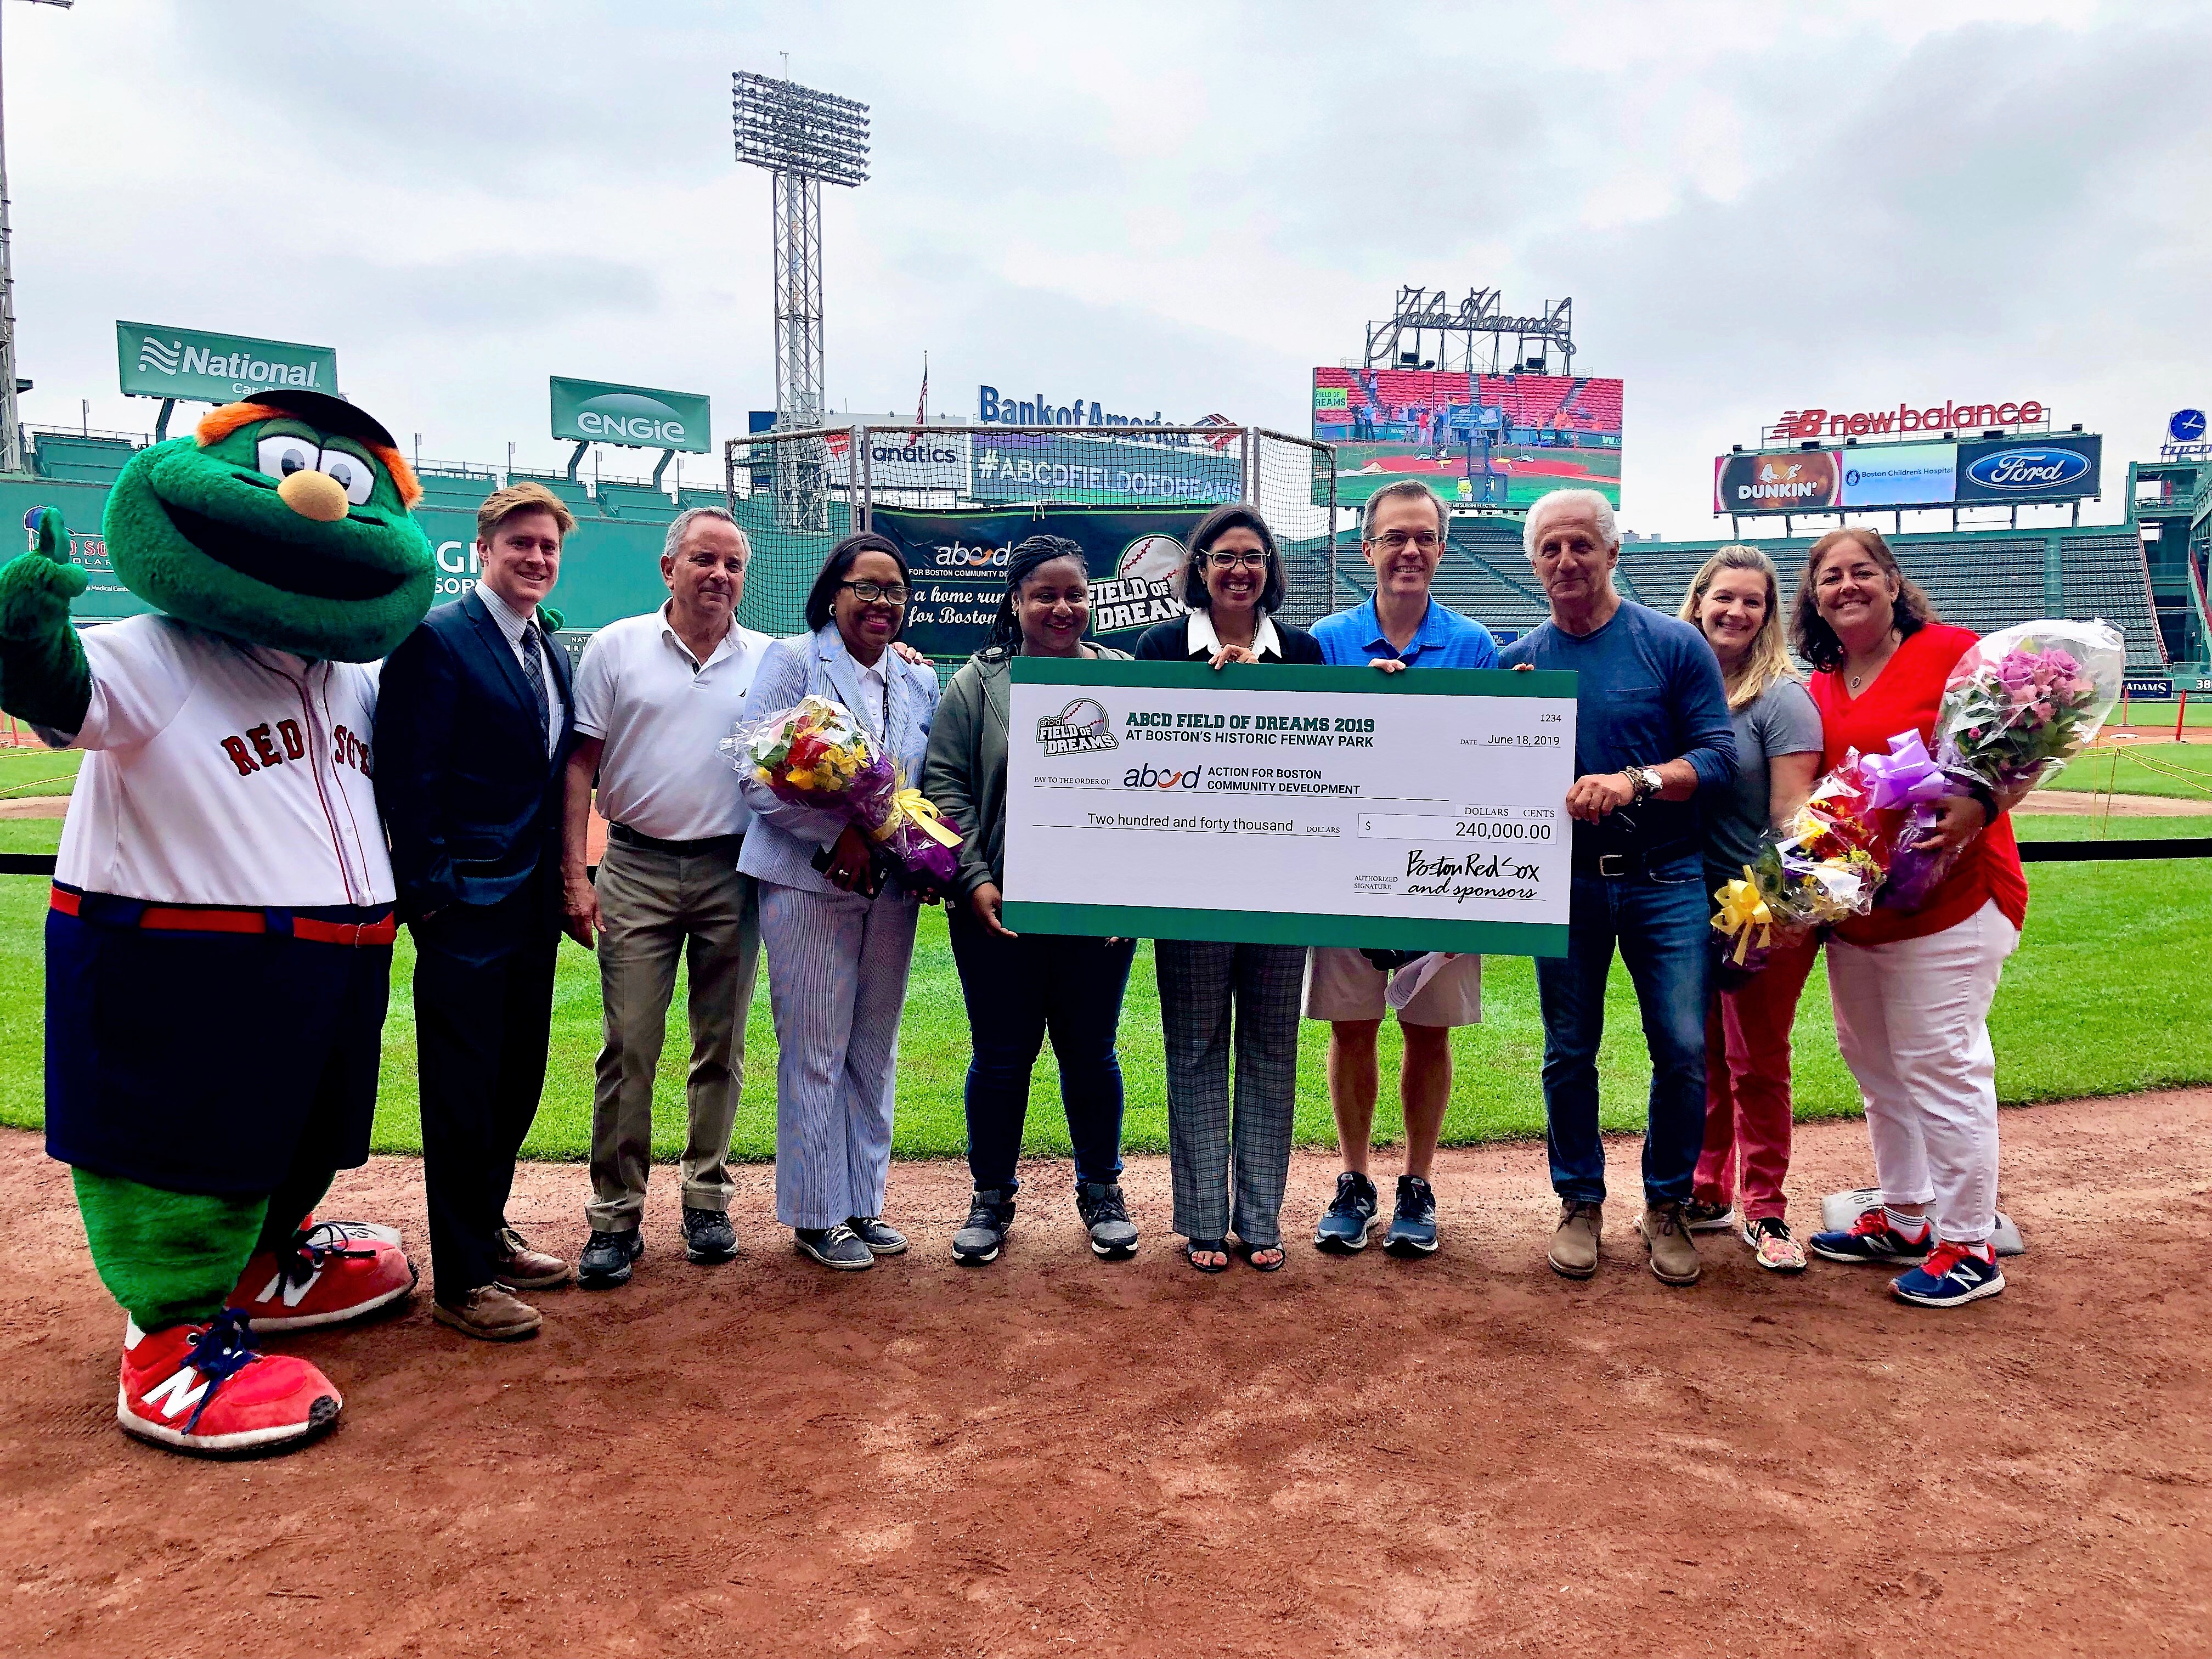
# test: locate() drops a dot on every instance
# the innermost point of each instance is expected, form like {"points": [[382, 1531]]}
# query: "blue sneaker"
{"points": [[1345, 1223], [1951, 1275], [1871, 1239], [1412, 1219]]}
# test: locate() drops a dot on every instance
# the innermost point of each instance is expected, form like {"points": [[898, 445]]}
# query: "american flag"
{"points": [[921, 403]]}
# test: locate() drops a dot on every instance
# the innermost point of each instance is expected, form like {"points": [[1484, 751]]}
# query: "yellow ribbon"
{"points": [[1742, 908], [913, 804]]}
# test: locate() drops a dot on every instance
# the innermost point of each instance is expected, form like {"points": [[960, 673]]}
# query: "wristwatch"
{"points": [[1644, 781]]}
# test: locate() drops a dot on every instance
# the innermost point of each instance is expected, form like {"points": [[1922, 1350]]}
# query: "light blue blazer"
{"points": [[784, 837]]}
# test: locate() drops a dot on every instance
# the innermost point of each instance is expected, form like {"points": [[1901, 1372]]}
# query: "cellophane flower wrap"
{"points": [[818, 754], [2017, 707], [1826, 864]]}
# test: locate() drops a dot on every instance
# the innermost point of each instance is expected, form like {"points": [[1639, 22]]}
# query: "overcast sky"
{"points": [[1180, 207]]}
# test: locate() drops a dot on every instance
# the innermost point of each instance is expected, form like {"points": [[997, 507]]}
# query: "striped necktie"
{"points": [[533, 670]]}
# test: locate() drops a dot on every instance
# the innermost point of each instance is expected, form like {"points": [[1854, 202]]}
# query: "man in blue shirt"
{"points": [[1403, 536], [1652, 730]]}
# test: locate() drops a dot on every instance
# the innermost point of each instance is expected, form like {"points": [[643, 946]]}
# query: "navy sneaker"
{"points": [[880, 1239], [1871, 1239], [608, 1258], [1412, 1219], [990, 1214], [1345, 1223], [708, 1236], [837, 1247], [1951, 1275], [1106, 1216]]}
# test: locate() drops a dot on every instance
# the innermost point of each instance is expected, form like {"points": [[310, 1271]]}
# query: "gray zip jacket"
{"points": [[965, 774]]}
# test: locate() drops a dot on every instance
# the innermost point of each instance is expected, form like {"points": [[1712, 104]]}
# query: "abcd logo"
{"points": [[1149, 777]]}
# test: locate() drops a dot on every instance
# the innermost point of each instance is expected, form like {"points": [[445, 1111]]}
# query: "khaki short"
{"points": [[1342, 984]]}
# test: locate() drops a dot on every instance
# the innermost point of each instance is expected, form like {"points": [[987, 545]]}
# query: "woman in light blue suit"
{"points": [[838, 926]]}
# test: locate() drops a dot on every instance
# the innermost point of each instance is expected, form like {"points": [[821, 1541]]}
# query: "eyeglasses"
{"points": [[1396, 540], [869, 592], [1232, 560]]}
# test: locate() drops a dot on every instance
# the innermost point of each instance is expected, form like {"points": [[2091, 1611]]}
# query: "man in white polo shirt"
{"points": [[654, 694]]}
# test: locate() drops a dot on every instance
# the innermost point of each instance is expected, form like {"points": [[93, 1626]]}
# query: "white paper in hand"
{"points": [[1405, 984]]}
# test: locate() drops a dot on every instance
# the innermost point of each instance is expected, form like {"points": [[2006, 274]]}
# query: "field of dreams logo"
{"points": [[1081, 728]]}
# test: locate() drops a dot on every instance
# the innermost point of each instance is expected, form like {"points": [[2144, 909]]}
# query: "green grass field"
{"points": [[2177, 770], [25, 771], [2102, 999]]}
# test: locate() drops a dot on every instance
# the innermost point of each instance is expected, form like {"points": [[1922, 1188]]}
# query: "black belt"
{"points": [[1620, 864], [686, 849]]}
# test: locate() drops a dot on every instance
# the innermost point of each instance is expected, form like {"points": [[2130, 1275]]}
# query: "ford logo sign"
{"points": [[2028, 470]]}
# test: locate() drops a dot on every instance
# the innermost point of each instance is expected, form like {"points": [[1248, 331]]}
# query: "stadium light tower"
{"points": [[11, 427], [804, 139]]}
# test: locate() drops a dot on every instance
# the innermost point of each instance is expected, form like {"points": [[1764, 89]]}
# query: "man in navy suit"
{"points": [[474, 723]]}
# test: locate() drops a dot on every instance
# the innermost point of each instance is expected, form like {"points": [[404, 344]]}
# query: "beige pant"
{"points": [[654, 908]]}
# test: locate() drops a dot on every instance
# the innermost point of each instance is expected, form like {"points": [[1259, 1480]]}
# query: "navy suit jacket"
{"points": [[468, 794]]}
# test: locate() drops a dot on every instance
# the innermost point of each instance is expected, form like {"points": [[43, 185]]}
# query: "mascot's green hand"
{"points": [[44, 677]]}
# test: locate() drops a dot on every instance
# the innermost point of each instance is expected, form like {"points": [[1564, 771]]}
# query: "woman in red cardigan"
{"points": [[1912, 990]]}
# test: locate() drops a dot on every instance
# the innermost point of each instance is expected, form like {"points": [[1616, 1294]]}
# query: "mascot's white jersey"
{"points": [[223, 773]]}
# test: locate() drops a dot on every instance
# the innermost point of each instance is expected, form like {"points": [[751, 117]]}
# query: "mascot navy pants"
{"points": [[208, 1062]]}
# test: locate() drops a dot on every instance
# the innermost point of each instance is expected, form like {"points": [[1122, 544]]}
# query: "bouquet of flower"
{"points": [[2017, 707], [819, 754], [1825, 864]]}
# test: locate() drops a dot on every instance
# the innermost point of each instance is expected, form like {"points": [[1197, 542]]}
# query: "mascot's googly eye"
{"points": [[358, 477], [281, 456]]}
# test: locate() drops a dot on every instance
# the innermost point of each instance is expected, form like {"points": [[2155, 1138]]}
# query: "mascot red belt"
{"points": [[219, 947]]}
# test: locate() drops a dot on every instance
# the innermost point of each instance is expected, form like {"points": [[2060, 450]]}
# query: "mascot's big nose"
{"points": [[314, 495]]}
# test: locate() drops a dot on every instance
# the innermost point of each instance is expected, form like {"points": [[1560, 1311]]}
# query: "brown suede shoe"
{"points": [[1674, 1252], [492, 1312], [1574, 1245], [524, 1268]]}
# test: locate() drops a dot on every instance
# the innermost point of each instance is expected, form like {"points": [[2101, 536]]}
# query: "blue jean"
{"points": [[1017, 991], [1659, 919]]}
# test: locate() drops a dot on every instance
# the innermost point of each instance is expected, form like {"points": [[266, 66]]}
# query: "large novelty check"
{"points": [[1291, 805]]}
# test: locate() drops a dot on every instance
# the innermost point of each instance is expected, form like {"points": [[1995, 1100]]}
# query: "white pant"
{"points": [[1912, 1021]]}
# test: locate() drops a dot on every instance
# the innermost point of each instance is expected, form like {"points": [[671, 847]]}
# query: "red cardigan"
{"points": [[1905, 697]]}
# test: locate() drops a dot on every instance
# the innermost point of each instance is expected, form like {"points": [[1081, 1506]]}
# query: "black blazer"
{"points": [[472, 804], [1169, 641]]}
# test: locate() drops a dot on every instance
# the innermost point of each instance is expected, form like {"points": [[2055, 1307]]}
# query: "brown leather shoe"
{"points": [[490, 1312], [1573, 1254], [1674, 1252], [524, 1268]]}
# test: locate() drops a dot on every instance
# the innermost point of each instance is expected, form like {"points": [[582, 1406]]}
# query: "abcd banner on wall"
{"points": [[957, 562], [1023, 466]]}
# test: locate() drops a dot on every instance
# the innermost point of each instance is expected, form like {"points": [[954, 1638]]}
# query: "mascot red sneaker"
{"points": [[219, 945]]}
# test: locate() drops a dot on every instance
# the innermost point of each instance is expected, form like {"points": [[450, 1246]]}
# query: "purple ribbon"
{"points": [[1904, 777]]}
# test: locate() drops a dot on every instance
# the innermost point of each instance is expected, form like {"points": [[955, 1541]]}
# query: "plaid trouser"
{"points": [[1199, 983]]}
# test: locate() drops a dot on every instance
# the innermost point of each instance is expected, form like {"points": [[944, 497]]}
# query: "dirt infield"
{"points": [[1053, 1456]]}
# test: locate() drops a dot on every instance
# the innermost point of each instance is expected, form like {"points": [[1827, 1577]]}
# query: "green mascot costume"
{"points": [[219, 945]]}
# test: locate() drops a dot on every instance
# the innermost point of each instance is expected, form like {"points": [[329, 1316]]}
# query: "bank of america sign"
{"points": [[154, 362]]}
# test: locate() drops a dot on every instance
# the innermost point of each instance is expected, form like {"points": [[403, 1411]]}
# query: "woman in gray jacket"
{"points": [[1018, 986]]}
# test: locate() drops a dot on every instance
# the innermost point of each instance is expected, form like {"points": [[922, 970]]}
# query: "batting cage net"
{"points": [[957, 498]]}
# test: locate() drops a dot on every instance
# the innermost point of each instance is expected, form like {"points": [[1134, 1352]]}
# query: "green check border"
{"points": [[1497, 938], [1293, 677]]}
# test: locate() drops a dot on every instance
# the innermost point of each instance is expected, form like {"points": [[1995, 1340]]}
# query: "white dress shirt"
{"points": [[1266, 642], [660, 714], [511, 623], [876, 690]]}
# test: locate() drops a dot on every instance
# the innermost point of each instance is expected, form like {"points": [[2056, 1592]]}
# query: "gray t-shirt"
{"points": [[1779, 720]]}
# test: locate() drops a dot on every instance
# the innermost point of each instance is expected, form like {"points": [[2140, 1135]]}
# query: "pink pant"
{"points": [[1747, 1084]]}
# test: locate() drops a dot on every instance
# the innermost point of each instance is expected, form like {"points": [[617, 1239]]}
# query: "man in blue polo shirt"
{"points": [[1403, 536]]}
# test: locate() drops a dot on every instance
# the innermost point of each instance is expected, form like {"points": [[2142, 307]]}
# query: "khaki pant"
{"points": [[655, 907]]}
